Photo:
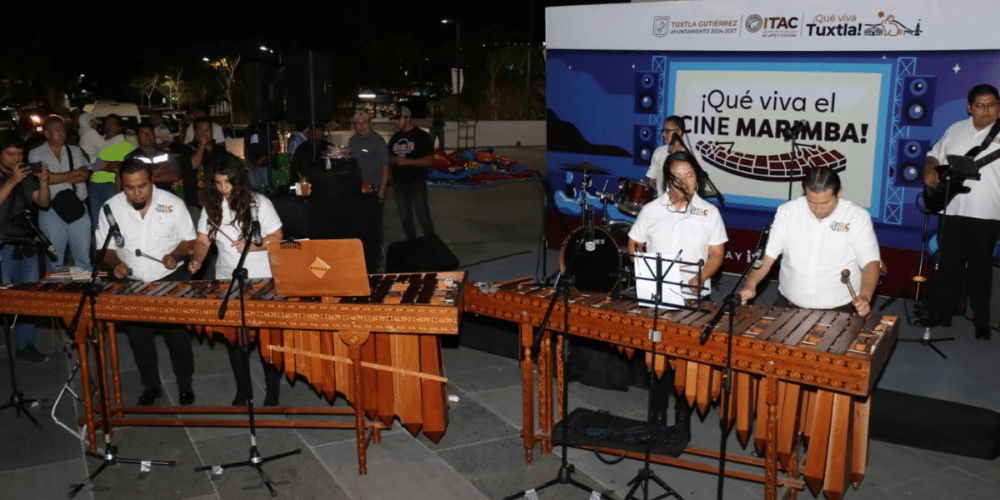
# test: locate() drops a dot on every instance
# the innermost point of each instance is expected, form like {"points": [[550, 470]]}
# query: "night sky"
{"points": [[110, 44]]}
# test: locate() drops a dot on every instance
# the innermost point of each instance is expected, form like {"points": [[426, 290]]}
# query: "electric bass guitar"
{"points": [[936, 198]]}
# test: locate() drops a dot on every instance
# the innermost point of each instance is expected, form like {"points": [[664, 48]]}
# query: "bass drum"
{"points": [[604, 268]]}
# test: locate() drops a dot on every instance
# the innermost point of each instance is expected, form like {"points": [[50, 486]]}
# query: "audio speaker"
{"points": [[918, 100], [643, 144], [647, 84], [910, 157], [307, 80], [264, 95], [427, 253]]}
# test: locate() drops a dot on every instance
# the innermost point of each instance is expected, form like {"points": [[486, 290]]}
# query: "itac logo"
{"points": [[754, 23], [661, 26]]}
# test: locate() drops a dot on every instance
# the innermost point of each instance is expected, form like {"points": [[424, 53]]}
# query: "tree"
{"points": [[226, 69], [173, 86], [499, 63], [145, 86]]}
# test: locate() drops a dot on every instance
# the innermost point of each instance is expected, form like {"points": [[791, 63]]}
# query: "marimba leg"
{"points": [[82, 340], [527, 391]]}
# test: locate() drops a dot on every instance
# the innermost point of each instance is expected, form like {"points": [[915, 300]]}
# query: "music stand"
{"points": [[654, 272]]}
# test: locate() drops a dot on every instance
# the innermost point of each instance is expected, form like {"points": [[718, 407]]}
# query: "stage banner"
{"points": [[766, 92]]}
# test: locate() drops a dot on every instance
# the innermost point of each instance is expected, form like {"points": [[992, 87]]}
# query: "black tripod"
{"points": [[110, 456], [17, 400], [927, 339], [254, 460], [566, 469]]}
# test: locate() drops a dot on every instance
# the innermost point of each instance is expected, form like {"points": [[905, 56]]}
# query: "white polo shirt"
{"points": [[815, 252], [983, 201], [257, 263], [167, 223], [665, 230]]}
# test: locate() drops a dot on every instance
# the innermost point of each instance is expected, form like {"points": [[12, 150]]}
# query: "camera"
{"points": [[36, 167]]}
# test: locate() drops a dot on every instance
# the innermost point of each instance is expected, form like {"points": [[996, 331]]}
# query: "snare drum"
{"points": [[633, 194], [606, 266]]}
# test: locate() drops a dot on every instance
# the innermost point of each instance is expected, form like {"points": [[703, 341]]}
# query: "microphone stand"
{"points": [[566, 469], [40, 238], [254, 460], [701, 187], [110, 457], [543, 239], [17, 399], [729, 305], [927, 339]]}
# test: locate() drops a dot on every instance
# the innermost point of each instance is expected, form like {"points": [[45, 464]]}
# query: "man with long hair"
{"points": [[226, 222]]}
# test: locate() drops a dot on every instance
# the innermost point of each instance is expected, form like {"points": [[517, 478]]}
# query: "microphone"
{"points": [[113, 227], [255, 224], [794, 131], [50, 249], [758, 255]]}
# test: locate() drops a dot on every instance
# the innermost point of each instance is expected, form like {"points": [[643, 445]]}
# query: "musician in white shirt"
{"points": [[973, 219], [820, 235]]}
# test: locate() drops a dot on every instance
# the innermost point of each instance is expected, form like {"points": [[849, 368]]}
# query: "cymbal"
{"points": [[584, 168]]}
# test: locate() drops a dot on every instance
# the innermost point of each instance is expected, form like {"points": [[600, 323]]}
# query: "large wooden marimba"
{"points": [[800, 386], [380, 352]]}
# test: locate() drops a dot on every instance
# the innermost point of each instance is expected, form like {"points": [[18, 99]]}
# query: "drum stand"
{"points": [[566, 469], [110, 456], [254, 460]]}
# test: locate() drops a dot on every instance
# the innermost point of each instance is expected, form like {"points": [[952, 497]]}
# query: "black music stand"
{"points": [[645, 474], [566, 469], [110, 456], [254, 460]]}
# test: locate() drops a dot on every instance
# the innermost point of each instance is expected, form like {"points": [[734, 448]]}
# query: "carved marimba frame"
{"points": [[381, 352], [804, 377]]}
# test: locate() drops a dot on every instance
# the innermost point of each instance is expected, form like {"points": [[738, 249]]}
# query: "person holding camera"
{"points": [[23, 189]]}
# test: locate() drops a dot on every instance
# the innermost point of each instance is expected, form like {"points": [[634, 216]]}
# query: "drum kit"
{"points": [[603, 264]]}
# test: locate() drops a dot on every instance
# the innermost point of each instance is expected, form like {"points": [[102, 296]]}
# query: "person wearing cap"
{"points": [[411, 153]]}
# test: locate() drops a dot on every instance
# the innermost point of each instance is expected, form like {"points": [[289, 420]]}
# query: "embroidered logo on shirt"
{"points": [[698, 211], [841, 227], [167, 209]]}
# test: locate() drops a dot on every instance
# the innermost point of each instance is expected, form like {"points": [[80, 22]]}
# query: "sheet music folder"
{"points": [[675, 276], [319, 268]]}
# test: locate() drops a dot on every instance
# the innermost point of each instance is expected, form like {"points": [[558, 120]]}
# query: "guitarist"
{"points": [[973, 219]]}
